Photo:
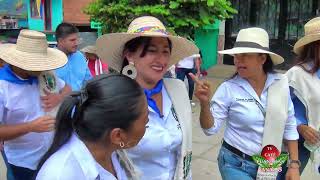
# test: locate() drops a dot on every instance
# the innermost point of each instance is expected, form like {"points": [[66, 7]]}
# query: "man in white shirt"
{"points": [[25, 129]]}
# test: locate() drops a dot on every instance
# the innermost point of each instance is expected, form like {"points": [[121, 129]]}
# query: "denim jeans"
{"points": [[9, 171], [182, 73], [21, 173], [234, 167]]}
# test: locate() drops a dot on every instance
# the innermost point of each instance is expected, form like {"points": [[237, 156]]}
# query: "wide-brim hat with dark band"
{"points": [[253, 40], [110, 46], [32, 53], [311, 34]]}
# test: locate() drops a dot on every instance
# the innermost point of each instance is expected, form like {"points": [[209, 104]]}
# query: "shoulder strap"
{"points": [[177, 92], [131, 171], [276, 113]]}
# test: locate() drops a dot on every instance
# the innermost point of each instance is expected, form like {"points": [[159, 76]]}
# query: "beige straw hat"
{"points": [[253, 40], [311, 34], [110, 46], [89, 49], [31, 53]]}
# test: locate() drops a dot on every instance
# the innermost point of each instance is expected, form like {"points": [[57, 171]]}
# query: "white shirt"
{"points": [[156, 154], [73, 161], [20, 103], [188, 62], [234, 104]]}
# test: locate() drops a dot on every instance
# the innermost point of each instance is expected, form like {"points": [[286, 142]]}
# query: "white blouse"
{"points": [[156, 154], [21, 103], [234, 103], [74, 161]]}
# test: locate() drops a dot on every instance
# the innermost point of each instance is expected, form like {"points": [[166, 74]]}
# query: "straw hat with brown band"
{"points": [[110, 46], [253, 40], [311, 34], [31, 53]]}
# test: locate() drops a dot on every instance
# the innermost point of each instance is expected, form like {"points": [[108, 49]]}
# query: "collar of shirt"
{"points": [[83, 155], [7, 74], [243, 83], [166, 104], [89, 165], [309, 67]]}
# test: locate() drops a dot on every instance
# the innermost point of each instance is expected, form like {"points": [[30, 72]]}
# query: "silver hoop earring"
{"points": [[130, 71], [121, 144]]}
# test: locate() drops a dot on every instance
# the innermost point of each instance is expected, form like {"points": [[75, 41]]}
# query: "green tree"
{"points": [[181, 17]]}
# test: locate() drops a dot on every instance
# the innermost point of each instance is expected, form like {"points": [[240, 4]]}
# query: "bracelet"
{"points": [[293, 161]]}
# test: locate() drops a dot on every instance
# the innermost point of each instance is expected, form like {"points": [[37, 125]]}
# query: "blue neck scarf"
{"points": [[7, 74], [150, 93]]}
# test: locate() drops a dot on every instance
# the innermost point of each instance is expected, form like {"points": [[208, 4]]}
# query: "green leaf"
{"points": [[182, 17], [263, 163], [174, 5], [210, 3], [280, 160]]}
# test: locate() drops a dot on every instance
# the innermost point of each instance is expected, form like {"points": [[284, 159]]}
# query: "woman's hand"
{"points": [[202, 89], [309, 134], [203, 93], [293, 173]]}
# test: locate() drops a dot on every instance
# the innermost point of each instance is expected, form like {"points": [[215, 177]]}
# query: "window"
{"points": [[299, 12], [34, 9]]}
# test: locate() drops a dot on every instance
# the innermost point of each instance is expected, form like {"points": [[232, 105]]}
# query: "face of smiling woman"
{"points": [[153, 65]]}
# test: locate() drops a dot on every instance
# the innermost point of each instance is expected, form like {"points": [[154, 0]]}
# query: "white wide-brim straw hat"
{"points": [[311, 34], [89, 49], [31, 53], [253, 40], [110, 46]]}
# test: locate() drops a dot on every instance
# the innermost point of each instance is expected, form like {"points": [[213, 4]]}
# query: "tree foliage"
{"points": [[179, 16]]}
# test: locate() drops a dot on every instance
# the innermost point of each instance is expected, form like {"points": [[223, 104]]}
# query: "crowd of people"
{"points": [[64, 116]]}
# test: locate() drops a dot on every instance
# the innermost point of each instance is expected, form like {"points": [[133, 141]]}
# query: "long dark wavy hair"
{"points": [[309, 54]]}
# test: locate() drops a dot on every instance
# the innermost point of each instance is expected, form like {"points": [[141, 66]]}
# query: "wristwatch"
{"points": [[290, 162]]}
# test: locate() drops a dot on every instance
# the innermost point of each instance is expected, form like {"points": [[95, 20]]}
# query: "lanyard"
{"points": [[260, 107]]}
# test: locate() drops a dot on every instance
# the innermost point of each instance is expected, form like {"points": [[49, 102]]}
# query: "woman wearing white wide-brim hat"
{"points": [[144, 53], [256, 107], [305, 83]]}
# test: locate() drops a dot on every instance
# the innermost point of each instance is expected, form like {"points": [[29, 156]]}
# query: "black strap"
{"points": [[250, 45], [260, 107], [236, 151]]}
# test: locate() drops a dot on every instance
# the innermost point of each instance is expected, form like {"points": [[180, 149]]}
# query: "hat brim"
{"points": [[298, 47], [276, 59], [88, 50], [110, 48], [53, 59]]}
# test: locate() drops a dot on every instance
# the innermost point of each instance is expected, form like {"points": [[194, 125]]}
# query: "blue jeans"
{"points": [[9, 171], [21, 173], [182, 73], [234, 167]]}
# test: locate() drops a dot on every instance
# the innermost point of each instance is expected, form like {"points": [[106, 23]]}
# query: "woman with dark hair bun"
{"points": [[93, 127]]}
